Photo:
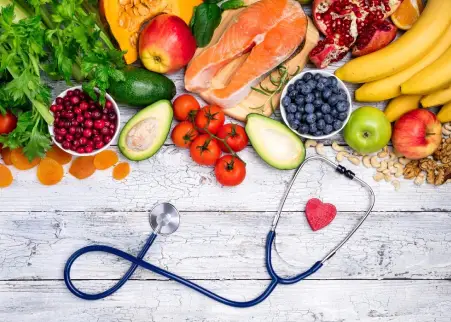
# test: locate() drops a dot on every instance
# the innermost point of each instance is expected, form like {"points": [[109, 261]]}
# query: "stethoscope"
{"points": [[165, 219]]}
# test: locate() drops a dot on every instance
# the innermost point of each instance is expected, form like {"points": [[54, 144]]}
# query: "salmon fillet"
{"points": [[249, 29]]}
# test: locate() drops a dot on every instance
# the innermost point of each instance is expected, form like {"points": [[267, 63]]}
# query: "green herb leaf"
{"points": [[207, 18], [233, 4]]}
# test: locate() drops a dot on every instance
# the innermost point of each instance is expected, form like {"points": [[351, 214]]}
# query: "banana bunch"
{"points": [[415, 68]]}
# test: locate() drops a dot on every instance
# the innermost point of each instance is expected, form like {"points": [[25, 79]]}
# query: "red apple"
{"points": [[166, 44], [417, 134]]}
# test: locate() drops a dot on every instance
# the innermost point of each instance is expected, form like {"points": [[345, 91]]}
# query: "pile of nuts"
{"points": [[390, 165]]}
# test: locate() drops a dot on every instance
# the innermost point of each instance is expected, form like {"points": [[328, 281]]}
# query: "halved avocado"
{"points": [[146, 132], [275, 143]]}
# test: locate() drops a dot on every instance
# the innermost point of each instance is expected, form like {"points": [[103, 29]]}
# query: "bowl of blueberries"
{"points": [[315, 105]]}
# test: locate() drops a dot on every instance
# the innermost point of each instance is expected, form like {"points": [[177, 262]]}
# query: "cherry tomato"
{"points": [[230, 171], [184, 134], [205, 150], [8, 123], [235, 136], [185, 107], [210, 117]]}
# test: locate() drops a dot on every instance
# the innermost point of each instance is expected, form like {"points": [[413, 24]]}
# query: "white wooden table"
{"points": [[396, 268]]}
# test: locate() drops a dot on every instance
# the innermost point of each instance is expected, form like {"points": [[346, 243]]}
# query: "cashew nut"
{"points": [[375, 162], [387, 177], [399, 170], [341, 155], [419, 180], [391, 163], [447, 126], [393, 156], [366, 161], [386, 171], [403, 161], [310, 144], [392, 170], [337, 147], [382, 154], [383, 166], [354, 160], [445, 131], [378, 177], [396, 184], [320, 149]]}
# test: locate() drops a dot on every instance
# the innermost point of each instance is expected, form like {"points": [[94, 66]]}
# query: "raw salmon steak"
{"points": [[271, 30]]}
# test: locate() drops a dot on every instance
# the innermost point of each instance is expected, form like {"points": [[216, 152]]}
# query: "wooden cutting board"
{"points": [[256, 102]]}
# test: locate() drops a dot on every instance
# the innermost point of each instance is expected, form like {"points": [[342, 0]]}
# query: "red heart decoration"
{"points": [[319, 214]]}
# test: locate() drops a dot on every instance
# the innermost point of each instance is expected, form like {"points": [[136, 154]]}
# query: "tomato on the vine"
{"points": [[185, 107], [205, 150], [184, 134], [234, 135], [8, 123], [211, 118], [230, 171]]}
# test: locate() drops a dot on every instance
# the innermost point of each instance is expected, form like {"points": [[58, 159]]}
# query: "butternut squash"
{"points": [[125, 18]]}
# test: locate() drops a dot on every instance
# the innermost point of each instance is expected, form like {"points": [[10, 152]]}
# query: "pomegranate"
{"points": [[342, 22], [376, 36]]}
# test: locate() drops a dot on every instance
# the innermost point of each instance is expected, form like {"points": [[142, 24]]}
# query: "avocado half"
{"points": [[275, 143], [145, 133]]}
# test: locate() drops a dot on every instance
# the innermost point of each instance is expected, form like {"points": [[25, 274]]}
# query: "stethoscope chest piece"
{"points": [[164, 219]]}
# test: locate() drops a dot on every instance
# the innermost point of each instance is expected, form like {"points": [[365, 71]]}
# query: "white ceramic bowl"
{"points": [[341, 85], [106, 146]]}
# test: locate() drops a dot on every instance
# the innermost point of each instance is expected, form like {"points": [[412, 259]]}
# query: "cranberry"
{"points": [[92, 107], [113, 127], [104, 117], [77, 135], [77, 110], [57, 119], [83, 140], [112, 116], [105, 131], [70, 115], [99, 145], [74, 123], [95, 132], [59, 100], [105, 111], [97, 138], [59, 107], [99, 124], [96, 115], [66, 145], [112, 132], [90, 143], [108, 105], [80, 119], [69, 93], [72, 130], [59, 138], [69, 137], [84, 106], [67, 124], [107, 139], [53, 108], [60, 124], [87, 115], [75, 100], [88, 124], [87, 133], [88, 149], [107, 124], [77, 92], [80, 150], [66, 104]]}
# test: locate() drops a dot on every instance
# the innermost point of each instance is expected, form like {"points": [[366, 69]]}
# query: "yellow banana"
{"points": [[445, 113], [434, 77], [401, 105], [403, 52], [390, 87], [437, 98]]}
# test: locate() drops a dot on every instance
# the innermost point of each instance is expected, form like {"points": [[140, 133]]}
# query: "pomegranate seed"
{"points": [[88, 149], [107, 139], [87, 133], [69, 137], [83, 140], [72, 130], [99, 145], [66, 145], [59, 100], [99, 124]]}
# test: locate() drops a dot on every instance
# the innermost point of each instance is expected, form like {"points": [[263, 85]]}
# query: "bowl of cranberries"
{"points": [[82, 126], [315, 104]]}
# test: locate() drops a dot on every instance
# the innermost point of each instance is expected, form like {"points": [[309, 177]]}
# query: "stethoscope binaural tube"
{"points": [[275, 278]]}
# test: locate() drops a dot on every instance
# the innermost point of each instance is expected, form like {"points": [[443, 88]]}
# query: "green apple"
{"points": [[368, 130]]}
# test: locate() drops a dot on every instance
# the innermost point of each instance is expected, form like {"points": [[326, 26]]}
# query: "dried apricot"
{"points": [[82, 167], [6, 156], [21, 162], [6, 178], [60, 156], [121, 171], [105, 159], [50, 172]]}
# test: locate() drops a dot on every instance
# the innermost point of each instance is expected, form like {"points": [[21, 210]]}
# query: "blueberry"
{"points": [[322, 80], [317, 103], [320, 86], [295, 124], [292, 108], [319, 133], [320, 124], [305, 89], [326, 93], [298, 116], [328, 129], [319, 115], [290, 117], [286, 101], [317, 77], [299, 100], [301, 108], [337, 125], [342, 116], [312, 83], [317, 94], [304, 116], [313, 128], [342, 94], [328, 119], [333, 99], [332, 81], [311, 118], [307, 77], [334, 113], [325, 108], [342, 106], [292, 94], [291, 88], [309, 108], [309, 98], [298, 82], [304, 128]]}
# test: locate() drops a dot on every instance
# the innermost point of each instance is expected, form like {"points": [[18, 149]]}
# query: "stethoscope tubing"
{"points": [[275, 278]]}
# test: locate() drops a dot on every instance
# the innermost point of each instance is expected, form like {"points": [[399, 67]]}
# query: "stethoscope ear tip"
{"points": [[164, 219]]}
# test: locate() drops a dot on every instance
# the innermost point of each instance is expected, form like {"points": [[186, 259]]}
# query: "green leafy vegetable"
{"points": [[232, 4]]}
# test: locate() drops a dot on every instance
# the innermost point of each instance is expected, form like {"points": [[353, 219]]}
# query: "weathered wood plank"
{"points": [[338, 301], [226, 245], [172, 176]]}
